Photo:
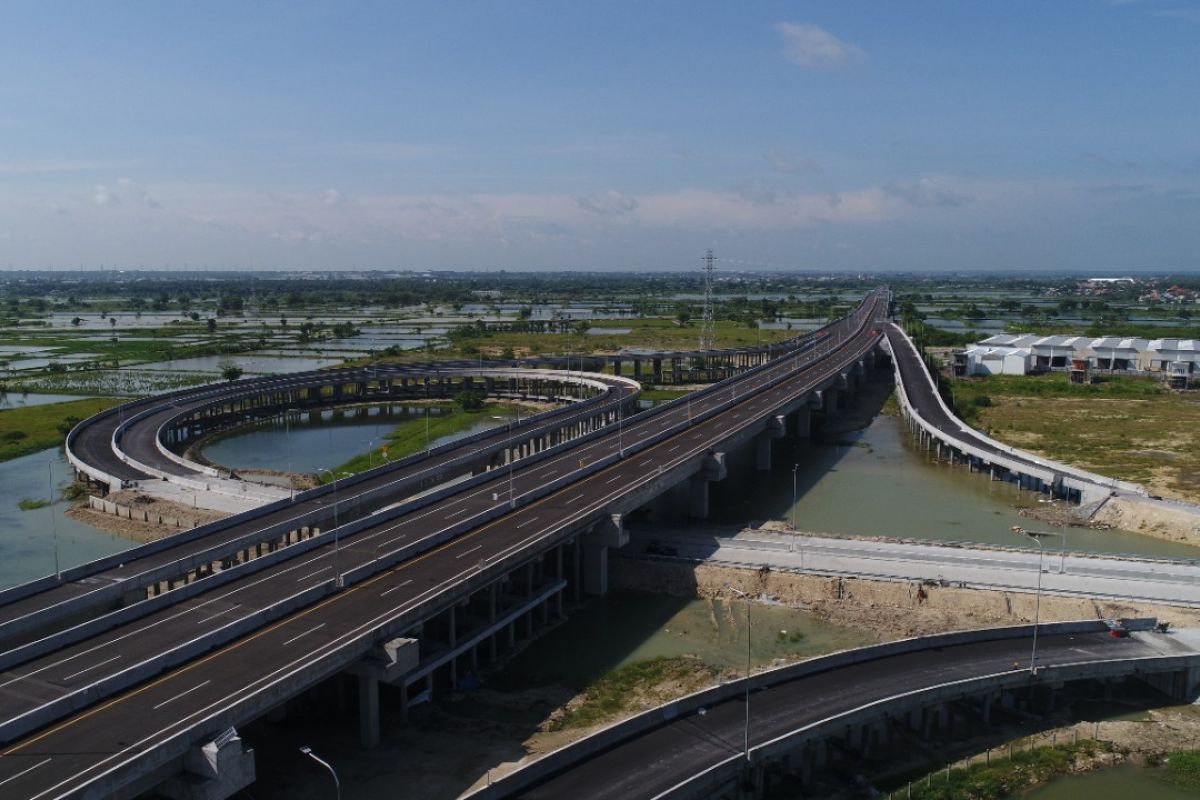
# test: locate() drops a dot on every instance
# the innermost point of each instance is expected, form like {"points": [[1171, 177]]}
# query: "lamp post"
{"points": [[795, 473], [287, 443], [53, 521], [1037, 607], [337, 785], [334, 480], [746, 731]]}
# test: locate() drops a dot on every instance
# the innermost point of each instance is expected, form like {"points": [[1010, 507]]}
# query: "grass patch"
{"points": [[1058, 384], [409, 437], [31, 429], [1126, 428], [29, 505], [633, 687], [661, 395], [1183, 770], [1006, 777]]}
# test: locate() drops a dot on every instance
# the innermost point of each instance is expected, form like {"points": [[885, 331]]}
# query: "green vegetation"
{"points": [[29, 505], [623, 691], [1125, 427], [661, 395], [409, 437], [1183, 770], [470, 400], [1006, 777], [30, 429]]}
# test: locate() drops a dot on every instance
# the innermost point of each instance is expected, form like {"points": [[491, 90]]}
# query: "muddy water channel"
{"points": [[875, 482], [1114, 783]]}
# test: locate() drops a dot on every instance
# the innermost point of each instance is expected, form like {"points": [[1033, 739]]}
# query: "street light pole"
{"points": [[795, 472], [53, 521], [337, 785], [746, 730], [336, 571]]}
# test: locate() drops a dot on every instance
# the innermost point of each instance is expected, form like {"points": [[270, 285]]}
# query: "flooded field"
{"points": [[313, 441], [27, 537]]}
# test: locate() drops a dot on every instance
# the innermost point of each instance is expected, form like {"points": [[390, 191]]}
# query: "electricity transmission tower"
{"points": [[708, 328]]}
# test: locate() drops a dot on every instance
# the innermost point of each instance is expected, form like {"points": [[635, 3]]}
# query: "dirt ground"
{"points": [[138, 530]]}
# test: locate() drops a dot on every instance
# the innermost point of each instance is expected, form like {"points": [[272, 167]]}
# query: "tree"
{"points": [[683, 314], [230, 371], [212, 325], [470, 400], [76, 321]]}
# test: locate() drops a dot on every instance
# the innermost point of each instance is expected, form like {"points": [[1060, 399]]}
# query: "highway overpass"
{"points": [[849, 705], [399, 596]]}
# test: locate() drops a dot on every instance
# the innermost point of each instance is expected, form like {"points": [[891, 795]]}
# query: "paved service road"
{"points": [[1173, 582]]}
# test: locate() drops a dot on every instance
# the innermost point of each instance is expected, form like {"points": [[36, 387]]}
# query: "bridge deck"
{"points": [[650, 764]]}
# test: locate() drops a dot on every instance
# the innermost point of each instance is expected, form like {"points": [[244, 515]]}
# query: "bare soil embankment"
{"points": [[138, 530], [889, 609]]}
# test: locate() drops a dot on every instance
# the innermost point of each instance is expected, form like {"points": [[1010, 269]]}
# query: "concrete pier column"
{"points": [[368, 711], [803, 424], [595, 568], [698, 497], [762, 454]]}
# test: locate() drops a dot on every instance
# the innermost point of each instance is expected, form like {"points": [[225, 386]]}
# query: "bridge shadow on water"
{"points": [[748, 496]]}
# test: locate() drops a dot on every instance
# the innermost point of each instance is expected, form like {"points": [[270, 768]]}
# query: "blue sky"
{"points": [[841, 135]]}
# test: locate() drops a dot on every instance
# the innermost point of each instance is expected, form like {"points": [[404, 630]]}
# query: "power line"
{"points": [[708, 328]]}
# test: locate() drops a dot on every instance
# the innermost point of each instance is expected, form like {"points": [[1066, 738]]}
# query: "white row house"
{"points": [[983, 360], [1178, 356], [1017, 354]]}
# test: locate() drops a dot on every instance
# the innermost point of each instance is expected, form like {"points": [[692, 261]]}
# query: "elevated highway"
{"points": [[57, 601], [930, 418], [851, 704], [1166, 581], [396, 596]]}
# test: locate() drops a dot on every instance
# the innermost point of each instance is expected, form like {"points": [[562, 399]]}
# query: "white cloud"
{"points": [[42, 167], [332, 197], [609, 204], [103, 196], [794, 162], [928, 193], [812, 46]]}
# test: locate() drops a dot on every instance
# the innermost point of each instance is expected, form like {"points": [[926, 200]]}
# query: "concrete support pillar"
{"points": [[595, 568], [762, 454], [698, 497], [803, 419], [368, 711]]}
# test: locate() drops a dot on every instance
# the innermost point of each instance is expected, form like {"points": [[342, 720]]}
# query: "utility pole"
{"points": [[708, 328]]}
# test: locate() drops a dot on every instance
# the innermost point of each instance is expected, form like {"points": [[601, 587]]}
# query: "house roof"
{"points": [[1182, 345], [1115, 343]]}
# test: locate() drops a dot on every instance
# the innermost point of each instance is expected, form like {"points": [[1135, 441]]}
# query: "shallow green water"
{"points": [[1115, 783], [27, 538], [622, 629], [875, 482]]}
